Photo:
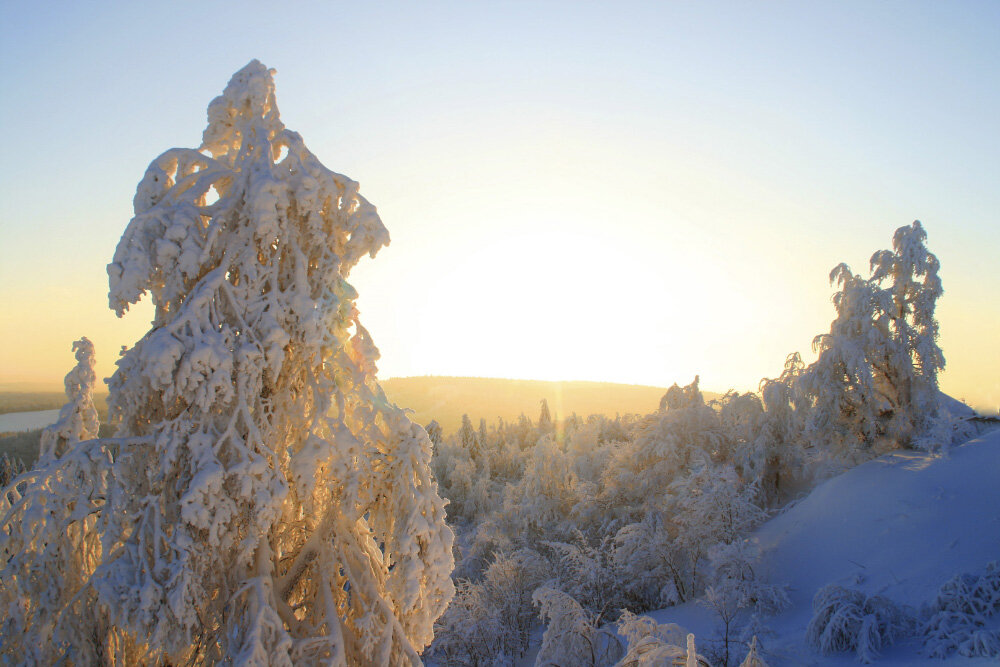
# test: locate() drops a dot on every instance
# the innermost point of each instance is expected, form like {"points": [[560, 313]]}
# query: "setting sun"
{"points": [[512, 335]]}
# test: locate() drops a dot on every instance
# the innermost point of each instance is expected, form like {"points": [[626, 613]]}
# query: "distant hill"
{"points": [[29, 401], [446, 399]]}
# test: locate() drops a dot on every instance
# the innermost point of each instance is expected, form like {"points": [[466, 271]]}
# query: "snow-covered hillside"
{"points": [[899, 526]]}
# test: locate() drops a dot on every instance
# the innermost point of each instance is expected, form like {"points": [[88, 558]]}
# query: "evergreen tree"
{"points": [[482, 432], [545, 418], [468, 438], [78, 418], [262, 501]]}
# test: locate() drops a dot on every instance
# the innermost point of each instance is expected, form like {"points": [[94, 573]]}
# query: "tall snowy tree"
{"points": [[874, 384], [264, 503], [909, 275]]}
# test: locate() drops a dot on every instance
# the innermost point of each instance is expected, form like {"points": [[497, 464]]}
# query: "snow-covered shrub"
{"points": [[738, 597], [775, 458], [469, 632], [588, 573], [663, 557], [848, 620], [489, 621], [262, 501], [943, 431], [480, 548], [654, 645], [959, 616], [78, 418], [742, 419], [635, 628], [753, 658], [655, 571], [540, 505], [665, 444], [573, 635]]}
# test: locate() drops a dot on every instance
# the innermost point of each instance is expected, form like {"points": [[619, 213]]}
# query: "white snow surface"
{"points": [[898, 526]]}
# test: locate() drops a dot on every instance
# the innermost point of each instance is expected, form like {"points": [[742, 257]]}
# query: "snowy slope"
{"points": [[898, 526]]}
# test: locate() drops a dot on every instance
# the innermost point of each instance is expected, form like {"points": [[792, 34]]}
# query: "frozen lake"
{"points": [[27, 421]]}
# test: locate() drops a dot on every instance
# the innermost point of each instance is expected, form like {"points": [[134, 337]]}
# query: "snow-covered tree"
{"points": [[545, 424], [78, 418], [911, 272], [874, 384], [738, 595], [10, 467], [573, 636], [588, 574], [468, 438], [262, 501], [540, 505], [665, 444], [434, 432], [845, 406], [778, 454], [489, 622]]}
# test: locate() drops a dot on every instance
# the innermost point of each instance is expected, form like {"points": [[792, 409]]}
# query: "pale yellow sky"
{"points": [[579, 193]]}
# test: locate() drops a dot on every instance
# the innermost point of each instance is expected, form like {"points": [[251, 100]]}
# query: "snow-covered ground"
{"points": [[898, 526], [27, 421]]}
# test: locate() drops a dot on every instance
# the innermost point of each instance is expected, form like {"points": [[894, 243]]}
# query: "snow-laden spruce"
{"points": [[78, 418], [262, 503]]}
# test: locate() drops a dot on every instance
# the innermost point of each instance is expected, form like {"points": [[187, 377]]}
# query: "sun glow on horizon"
{"points": [[637, 205]]}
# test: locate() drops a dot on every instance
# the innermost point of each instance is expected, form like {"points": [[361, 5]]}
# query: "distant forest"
{"points": [[446, 399]]}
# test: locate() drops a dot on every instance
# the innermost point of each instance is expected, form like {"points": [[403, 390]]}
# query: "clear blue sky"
{"points": [[631, 192]]}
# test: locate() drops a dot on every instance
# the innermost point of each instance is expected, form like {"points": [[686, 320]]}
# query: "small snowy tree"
{"points": [[489, 622], [777, 456], [10, 468], [738, 596], [262, 502], [78, 418], [468, 438], [545, 424], [753, 658], [572, 634]]}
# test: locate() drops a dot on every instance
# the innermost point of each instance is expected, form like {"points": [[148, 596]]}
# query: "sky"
{"points": [[622, 192]]}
